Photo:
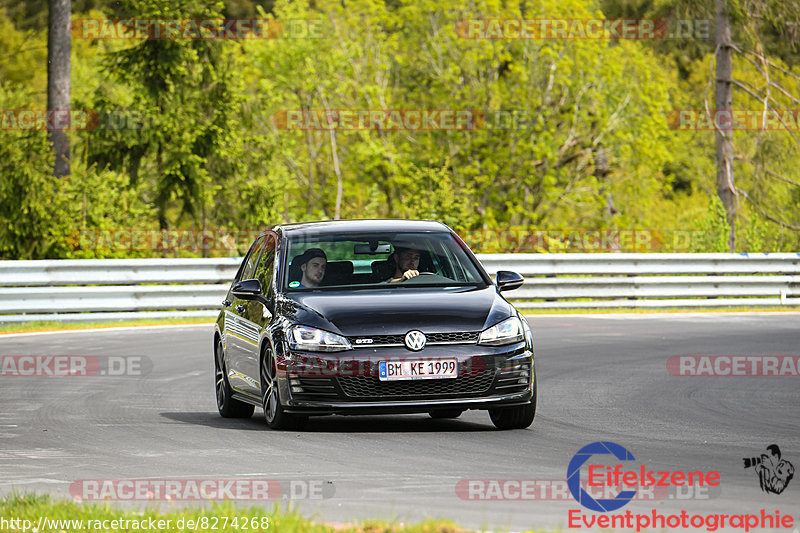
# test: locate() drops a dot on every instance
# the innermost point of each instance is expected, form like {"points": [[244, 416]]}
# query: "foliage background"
{"points": [[202, 151]]}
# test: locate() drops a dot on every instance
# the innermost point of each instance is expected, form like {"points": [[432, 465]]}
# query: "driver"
{"points": [[312, 264], [407, 264]]}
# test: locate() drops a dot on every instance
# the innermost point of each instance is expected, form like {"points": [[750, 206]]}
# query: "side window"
{"points": [[251, 258], [263, 272]]}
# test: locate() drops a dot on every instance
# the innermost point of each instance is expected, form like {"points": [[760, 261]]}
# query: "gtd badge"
{"points": [[415, 340]]}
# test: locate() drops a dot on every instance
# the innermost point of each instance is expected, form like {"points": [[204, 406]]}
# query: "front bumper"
{"points": [[347, 383], [407, 407]]}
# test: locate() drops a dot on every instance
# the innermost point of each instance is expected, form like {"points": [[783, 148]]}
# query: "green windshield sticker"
{"points": [[294, 284]]}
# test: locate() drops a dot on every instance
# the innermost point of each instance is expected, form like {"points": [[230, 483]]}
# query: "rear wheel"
{"points": [[228, 407], [274, 414], [446, 413], [517, 417]]}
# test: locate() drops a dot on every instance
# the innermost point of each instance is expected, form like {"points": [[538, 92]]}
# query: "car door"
{"points": [[239, 332], [257, 315]]}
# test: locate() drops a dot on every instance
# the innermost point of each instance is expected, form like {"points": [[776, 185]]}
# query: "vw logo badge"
{"points": [[415, 340]]}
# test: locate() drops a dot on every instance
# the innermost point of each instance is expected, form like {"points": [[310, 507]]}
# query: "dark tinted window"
{"points": [[250, 259], [263, 272], [368, 260]]}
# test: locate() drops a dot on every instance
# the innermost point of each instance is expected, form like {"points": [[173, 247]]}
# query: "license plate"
{"points": [[418, 369]]}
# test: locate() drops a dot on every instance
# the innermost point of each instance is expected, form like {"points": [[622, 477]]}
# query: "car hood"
{"points": [[396, 311]]}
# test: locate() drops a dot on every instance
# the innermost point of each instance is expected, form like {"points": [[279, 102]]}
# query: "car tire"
{"points": [[274, 414], [517, 417], [228, 406], [445, 413]]}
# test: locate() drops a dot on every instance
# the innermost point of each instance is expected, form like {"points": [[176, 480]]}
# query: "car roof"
{"points": [[375, 225]]}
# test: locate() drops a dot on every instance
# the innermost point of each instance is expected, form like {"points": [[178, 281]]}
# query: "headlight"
{"points": [[317, 340], [506, 332]]}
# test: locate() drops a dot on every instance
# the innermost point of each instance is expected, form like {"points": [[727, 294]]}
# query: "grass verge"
{"points": [[57, 325], [660, 310], [31, 512]]}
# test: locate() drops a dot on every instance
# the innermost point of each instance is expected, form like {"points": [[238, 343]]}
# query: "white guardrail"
{"points": [[134, 288]]}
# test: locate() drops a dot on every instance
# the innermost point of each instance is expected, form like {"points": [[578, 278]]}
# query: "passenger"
{"points": [[407, 263], [312, 263]]}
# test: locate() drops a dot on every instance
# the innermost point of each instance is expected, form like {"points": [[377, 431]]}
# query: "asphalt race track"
{"points": [[602, 378]]}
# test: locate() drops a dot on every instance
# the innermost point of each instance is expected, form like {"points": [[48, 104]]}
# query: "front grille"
{"points": [[377, 340], [461, 336], [513, 375], [371, 387], [433, 338]]}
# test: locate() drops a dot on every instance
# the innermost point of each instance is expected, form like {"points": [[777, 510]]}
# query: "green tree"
{"points": [[32, 221], [188, 95]]}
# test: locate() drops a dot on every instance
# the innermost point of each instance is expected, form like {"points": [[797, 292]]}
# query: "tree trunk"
{"points": [[311, 171], [59, 44], [724, 99], [602, 172], [339, 186]]}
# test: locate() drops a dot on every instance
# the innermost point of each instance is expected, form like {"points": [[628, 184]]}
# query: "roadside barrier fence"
{"points": [[92, 289]]}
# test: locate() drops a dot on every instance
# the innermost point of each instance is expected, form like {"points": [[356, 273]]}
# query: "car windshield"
{"points": [[371, 261]]}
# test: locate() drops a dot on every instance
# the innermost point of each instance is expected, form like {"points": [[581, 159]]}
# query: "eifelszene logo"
{"points": [[603, 465], [601, 475], [574, 477], [774, 473]]}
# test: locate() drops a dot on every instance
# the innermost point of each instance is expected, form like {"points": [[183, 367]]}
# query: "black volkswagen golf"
{"points": [[371, 316]]}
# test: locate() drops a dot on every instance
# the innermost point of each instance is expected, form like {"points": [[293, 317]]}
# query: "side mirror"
{"points": [[508, 281], [248, 289]]}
